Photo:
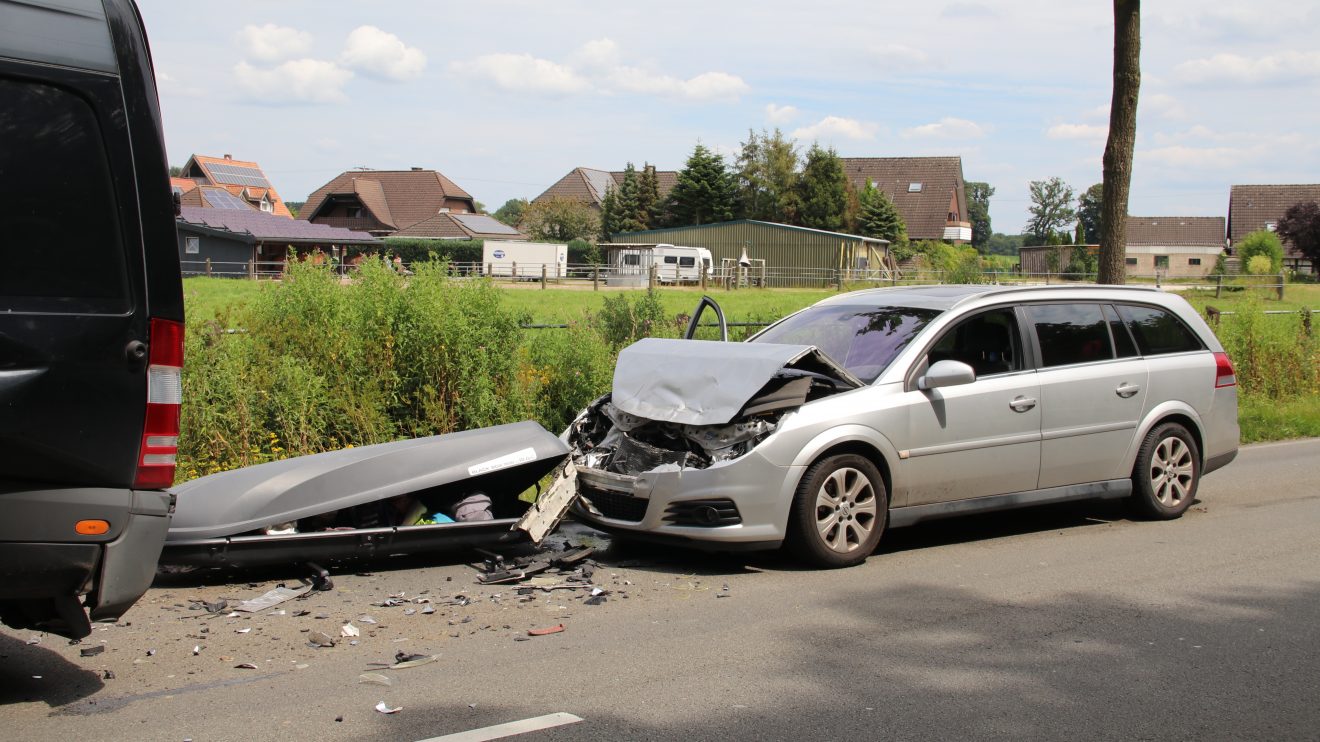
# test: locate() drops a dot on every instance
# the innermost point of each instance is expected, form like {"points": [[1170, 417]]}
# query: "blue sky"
{"points": [[505, 97]]}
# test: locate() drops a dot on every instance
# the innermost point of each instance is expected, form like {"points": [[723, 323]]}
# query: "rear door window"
{"points": [[62, 250], [1070, 333], [1159, 332], [1122, 339]]}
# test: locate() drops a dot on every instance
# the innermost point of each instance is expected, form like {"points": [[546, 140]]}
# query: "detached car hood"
{"points": [[701, 382], [233, 502]]}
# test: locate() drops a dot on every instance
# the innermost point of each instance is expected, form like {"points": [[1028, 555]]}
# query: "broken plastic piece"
{"points": [[384, 708], [245, 666], [319, 639], [375, 678], [92, 651], [403, 661], [273, 598], [557, 628], [349, 629]]}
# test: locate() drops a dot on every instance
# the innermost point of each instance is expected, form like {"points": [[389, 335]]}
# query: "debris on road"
{"points": [[384, 708], [320, 639], [273, 598], [245, 666], [349, 629], [403, 660], [92, 651], [557, 628], [375, 678]]}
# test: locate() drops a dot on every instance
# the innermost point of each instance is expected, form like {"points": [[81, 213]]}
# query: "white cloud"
{"points": [[1164, 106], [382, 54], [272, 43], [295, 81], [836, 127], [947, 128], [780, 114], [1201, 158], [1077, 131], [1288, 66], [523, 73], [899, 57], [594, 67]]}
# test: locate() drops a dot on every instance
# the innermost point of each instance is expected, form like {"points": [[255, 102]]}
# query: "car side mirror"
{"points": [[946, 373]]}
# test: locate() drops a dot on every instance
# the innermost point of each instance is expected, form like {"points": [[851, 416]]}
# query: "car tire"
{"points": [[1166, 474], [839, 512]]}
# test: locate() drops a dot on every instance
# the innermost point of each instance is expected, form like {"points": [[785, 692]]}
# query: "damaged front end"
{"points": [[679, 405]]}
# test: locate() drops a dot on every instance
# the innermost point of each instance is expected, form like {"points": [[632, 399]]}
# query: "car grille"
{"points": [[704, 513], [617, 506]]}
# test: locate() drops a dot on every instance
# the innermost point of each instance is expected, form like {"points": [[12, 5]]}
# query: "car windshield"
{"points": [[863, 340]]}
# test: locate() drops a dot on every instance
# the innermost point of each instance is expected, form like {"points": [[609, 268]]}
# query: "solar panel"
{"points": [[219, 198], [484, 224], [237, 175]]}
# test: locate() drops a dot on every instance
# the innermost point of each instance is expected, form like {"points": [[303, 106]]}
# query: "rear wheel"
{"points": [[839, 512], [1166, 474]]}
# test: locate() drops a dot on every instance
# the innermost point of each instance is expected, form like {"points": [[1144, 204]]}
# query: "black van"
{"points": [[91, 315]]}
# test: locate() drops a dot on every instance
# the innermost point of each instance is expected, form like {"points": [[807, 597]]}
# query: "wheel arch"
{"points": [[1169, 412], [855, 439]]}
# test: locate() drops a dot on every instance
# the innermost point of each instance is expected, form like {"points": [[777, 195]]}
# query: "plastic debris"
{"points": [[151, 653], [375, 678], [197, 649], [403, 660], [273, 598], [92, 651], [108, 675], [245, 666], [319, 639], [557, 628], [428, 610], [364, 618], [384, 708], [349, 629], [242, 631]]}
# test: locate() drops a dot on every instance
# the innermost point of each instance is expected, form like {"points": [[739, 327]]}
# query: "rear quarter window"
{"points": [[1158, 331], [61, 246]]}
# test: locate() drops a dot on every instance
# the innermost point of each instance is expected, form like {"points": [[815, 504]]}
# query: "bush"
{"points": [[1274, 356], [417, 250], [1259, 265], [1262, 242], [623, 320]]}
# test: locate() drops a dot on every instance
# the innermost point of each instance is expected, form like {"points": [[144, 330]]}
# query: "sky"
{"points": [[507, 96]]}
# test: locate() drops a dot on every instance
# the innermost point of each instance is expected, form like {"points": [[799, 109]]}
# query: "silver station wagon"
{"points": [[888, 407]]}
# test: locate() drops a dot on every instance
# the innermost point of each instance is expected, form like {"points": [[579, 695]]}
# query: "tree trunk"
{"points": [[1122, 137]]}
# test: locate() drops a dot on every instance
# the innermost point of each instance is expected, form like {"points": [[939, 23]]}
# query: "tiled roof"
{"points": [[1251, 206], [589, 185], [183, 184], [270, 228], [924, 211], [1176, 231], [399, 198], [204, 163], [451, 226]]}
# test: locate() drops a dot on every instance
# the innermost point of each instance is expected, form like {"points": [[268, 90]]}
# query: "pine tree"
{"points": [[824, 189], [609, 213], [767, 174], [704, 192], [629, 210], [648, 196], [879, 217]]}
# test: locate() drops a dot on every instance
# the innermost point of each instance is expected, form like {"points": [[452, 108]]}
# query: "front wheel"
{"points": [[1166, 474], [839, 512]]}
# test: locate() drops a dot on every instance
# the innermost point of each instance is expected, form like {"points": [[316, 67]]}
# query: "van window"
{"points": [[632, 259], [670, 259], [1070, 333], [62, 250], [1158, 331], [686, 262]]}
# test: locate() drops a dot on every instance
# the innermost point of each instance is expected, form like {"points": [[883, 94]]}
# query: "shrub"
{"points": [[1274, 356], [623, 320], [1259, 265], [1262, 242]]}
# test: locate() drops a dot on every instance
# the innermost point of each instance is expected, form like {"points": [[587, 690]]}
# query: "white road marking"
{"points": [[500, 731]]}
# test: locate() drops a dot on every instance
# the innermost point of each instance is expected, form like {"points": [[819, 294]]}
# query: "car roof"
{"points": [[948, 296]]}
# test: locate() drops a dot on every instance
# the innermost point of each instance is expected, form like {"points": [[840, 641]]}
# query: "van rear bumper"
{"points": [[53, 585]]}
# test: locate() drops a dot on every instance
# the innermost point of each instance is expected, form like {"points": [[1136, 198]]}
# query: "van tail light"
{"points": [[1224, 374], [160, 429]]}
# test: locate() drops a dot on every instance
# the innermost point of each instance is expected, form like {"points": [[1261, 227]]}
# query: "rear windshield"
{"points": [[864, 340], [61, 248]]}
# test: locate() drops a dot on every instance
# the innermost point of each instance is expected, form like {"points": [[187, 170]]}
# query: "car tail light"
{"points": [[160, 430], [1224, 374]]}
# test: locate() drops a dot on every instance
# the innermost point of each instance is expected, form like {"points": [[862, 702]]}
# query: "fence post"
{"points": [[1219, 285], [252, 268], [208, 267], [650, 276], [490, 270], [1306, 320], [595, 278], [515, 271], [1280, 285], [838, 280], [702, 268], [543, 276]]}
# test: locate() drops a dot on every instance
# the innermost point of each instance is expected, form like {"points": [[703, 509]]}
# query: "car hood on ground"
{"points": [[701, 382]]}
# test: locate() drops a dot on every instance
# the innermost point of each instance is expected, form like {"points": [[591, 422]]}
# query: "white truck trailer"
{"points": [[513, 259]]}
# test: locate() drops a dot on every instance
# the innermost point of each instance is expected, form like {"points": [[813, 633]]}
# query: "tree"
{"points": [[823, 189], [511, 212], [177, 172], [767, 173], [1089, 206], [648, 196], [1300, 225], [704, 192], [609, 212], [879, 217], [1122, 138], [1051, 208], [1004, 244], [560, 220], [628, 214], [1264, 243], [978, 213]]}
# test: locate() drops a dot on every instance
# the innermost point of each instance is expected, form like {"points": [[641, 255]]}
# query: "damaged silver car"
{"points": [[888, 407]]}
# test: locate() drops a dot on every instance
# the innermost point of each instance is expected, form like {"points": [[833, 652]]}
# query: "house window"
{"points": [[1271, 226], [1161, 261], [1193, 261], [914, 188], [192, 245], [1131, 261], [265, 206], [632, 259], [354, 212]]}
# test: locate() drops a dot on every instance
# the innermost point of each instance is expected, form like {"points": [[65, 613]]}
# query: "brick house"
{"points": [[1174, 246], [242, 179], [1256, 207], [403, 203], [589, 185], [929, 192]]}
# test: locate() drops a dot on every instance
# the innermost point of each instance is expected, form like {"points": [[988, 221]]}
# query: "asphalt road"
{"points": [[1063, 622]]}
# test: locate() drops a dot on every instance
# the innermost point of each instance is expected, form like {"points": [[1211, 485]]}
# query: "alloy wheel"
{"points": [[1171, 470], [845, 510]]}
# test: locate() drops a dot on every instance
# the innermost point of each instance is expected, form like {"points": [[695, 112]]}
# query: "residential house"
{"points": [[929, 193], [1255, 207], [243, 180], [402, 203], [589, 185], [1172, 246], [237, 241]]}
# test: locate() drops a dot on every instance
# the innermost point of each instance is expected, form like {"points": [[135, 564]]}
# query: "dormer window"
{"points": [[266, 205], [914, 188], [354, 212]]}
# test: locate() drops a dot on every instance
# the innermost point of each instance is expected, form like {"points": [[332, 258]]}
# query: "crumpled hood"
{"points": [[703, 382]]}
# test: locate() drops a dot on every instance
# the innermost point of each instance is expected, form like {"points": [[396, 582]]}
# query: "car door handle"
{"points": [[1022, 404], [1126, 390]]}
